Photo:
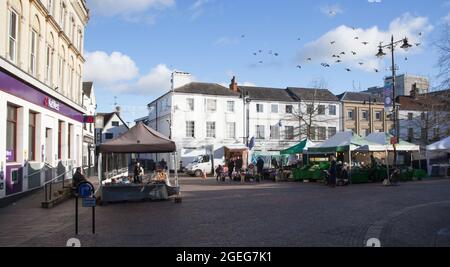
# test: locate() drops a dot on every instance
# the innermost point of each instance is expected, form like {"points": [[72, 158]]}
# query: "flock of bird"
{"points": [[337, 57]]}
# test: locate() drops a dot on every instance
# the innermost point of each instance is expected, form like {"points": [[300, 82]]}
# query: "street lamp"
{"points": [[392, 45], [246, 114]]}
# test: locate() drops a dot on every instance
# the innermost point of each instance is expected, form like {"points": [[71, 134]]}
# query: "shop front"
{"points": [[39, 134]]}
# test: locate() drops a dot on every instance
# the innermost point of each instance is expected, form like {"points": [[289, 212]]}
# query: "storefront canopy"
{"points": [[385, 140], [443, 145], [139, 139], [299, 148], [343, 142]]}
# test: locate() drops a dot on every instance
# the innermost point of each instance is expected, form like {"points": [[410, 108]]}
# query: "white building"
{"points": [[201, 117], [108, 126], [90, 104], [41, 66]]}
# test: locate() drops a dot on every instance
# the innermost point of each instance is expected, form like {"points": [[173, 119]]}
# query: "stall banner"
{"points": [[388, 95]]}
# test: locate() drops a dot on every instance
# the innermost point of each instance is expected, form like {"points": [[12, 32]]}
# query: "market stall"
{"points": [[349, 148], [139, 140], [438, 158]]}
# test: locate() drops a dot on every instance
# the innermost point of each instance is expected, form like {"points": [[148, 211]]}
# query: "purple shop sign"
{"points": [[10, 155], [26, 92], [388, 95]]}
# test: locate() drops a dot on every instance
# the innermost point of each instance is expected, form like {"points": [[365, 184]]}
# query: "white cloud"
{"points": [[226, 41], [374, 1], [157, 81], [198, 8], [128, 7], [321, 50], [447, 18], [107, 69], [331, 10]]}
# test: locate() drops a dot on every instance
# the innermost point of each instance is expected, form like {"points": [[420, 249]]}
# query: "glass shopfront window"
{"points": [[11, 134], [32, 137]]}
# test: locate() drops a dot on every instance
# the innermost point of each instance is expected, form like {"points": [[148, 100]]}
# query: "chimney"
{"points": [[180, 79], [234, 85], [414, 92]]}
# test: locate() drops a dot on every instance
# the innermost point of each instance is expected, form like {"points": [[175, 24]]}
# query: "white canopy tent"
{"points": [[384, 139], [438, 150]]}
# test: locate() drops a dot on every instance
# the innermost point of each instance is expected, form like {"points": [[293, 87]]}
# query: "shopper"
{"points": [[138, 173], [333, 172], [260, 166], [219, 173], [239, 164], [163, 164], [231, 166], [78, 178]]}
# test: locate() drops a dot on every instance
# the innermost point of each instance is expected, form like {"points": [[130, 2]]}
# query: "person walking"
{"points": [[231, 165], [333, 172], [138, 173], [78, 178]]}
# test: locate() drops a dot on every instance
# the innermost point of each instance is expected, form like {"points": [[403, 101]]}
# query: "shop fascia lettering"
{"points": [[51, 103]]}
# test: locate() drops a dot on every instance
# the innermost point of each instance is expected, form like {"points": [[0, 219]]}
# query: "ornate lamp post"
{"points": [[392, 45]]}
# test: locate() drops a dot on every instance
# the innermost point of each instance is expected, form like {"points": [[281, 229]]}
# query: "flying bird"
{"points": [[325, 65], [334, 56], [255, 54], [260, 51], [298, 39], [333, 42], [356, 38], [418, 44], [309, 59], [338, 61], [298, 66], [406, 58], [261, 62], [342, 53], [376, 70], [420, 33], [365, 43], [354, 53], [276, 54], [361, 63], [348, 70], [243, 36]]}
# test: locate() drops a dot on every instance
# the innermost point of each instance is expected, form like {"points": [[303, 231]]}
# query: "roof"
{"points": [[206, 89], [267, 94], [433, 101], [87, 88], [360, 97], [312, 94], [139, 139], [443, 145], [108, 116]]}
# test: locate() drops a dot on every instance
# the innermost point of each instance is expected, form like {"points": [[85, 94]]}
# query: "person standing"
{"points": [[239, 164], [138, 173], [231, 166], [219, 173], [333, 172], [163, 164], [78, 178], [260, 166]]}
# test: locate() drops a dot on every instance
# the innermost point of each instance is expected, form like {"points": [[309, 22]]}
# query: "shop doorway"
{"points": [[48, 145]]}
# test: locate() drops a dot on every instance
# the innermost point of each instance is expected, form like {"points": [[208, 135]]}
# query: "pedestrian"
{"points": [[239, 164], [260, 166], [345, 174], [333, 172], [231, 165], [78, 178], [219, 173], [163, 164], [138, 173]]}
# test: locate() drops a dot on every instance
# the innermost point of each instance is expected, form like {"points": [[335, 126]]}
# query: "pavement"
{"points": [[247, 215]]}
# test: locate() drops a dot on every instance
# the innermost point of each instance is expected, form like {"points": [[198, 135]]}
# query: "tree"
{"points": [[443, 47]]}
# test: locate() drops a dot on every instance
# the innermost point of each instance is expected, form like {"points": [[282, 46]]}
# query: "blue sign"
{"points": [[89, 202], [85, 190]]}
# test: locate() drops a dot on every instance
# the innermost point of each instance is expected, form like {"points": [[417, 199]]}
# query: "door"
{"points": [[48, 146]]}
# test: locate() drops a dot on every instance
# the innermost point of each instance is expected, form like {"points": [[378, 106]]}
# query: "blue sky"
{"points": [[132, 46]]}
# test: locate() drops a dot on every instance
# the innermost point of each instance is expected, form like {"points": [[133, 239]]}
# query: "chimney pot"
{"points": [[234, 85]]}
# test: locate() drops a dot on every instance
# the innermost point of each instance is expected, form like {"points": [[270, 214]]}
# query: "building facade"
{"points": [[90, 104], [404, 85], [364, 113], [41, 68], [201, 117]]}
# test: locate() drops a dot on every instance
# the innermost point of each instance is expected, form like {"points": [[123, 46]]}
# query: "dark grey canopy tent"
{"points": [[139, 139]]}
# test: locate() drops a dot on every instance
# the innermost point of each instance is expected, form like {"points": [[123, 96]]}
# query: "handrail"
{"points": [[57, 177]]}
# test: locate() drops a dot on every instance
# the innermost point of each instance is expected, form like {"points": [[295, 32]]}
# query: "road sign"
{"points": [[85, 190], [89, 202]]}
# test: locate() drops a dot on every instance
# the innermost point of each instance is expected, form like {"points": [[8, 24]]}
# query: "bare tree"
{"points": [[443, 47]]}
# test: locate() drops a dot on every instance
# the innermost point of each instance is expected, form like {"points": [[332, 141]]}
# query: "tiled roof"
{"points": [[267, 94], [360, 97], [206, 89], [312, 94]]}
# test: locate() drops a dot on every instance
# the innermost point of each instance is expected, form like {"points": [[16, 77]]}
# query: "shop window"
{"points": [[11, 134], [32, 137], [109, 136]]}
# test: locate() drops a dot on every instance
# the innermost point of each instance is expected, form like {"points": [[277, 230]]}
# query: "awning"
{"points": [[345, 141], [299, 148], [385, 140]]}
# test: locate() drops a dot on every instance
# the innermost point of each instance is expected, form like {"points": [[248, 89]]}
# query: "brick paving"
{"points": [[267, 214]]}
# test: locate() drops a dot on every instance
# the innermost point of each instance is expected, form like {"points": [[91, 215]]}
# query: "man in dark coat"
{"points": [[163, 165], [78, 178], [239, 164], [333, 172], [231, 165], [260, 166]]}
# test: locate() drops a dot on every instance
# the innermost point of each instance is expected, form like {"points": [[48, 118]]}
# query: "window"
{"points": [[231, 130], [321, 110], [260, 132], [211, 129], [211, 105], [274, 132], [115, 123], [365, 115], [49, 65], [274, 108], [109, 136], [260, 108], [331, 132], [410, 116], [289, 109], [437, 133], [289, 132], [69, 141], [190, 104], [61, 73], [33, 52], [312, 133], [62, 16], [32, 137], [13, 35], [310, 109], [410, 134], [60, 139], [423, 116], [230, 106], [11, 134], [350, 115], [423, 134], [378, 116], [321, 133], [50, 6], [332, 110], [190, 129]]}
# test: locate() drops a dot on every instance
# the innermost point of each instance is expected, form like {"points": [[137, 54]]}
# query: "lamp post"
{"points": [[392, 45], [246, 116]]}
